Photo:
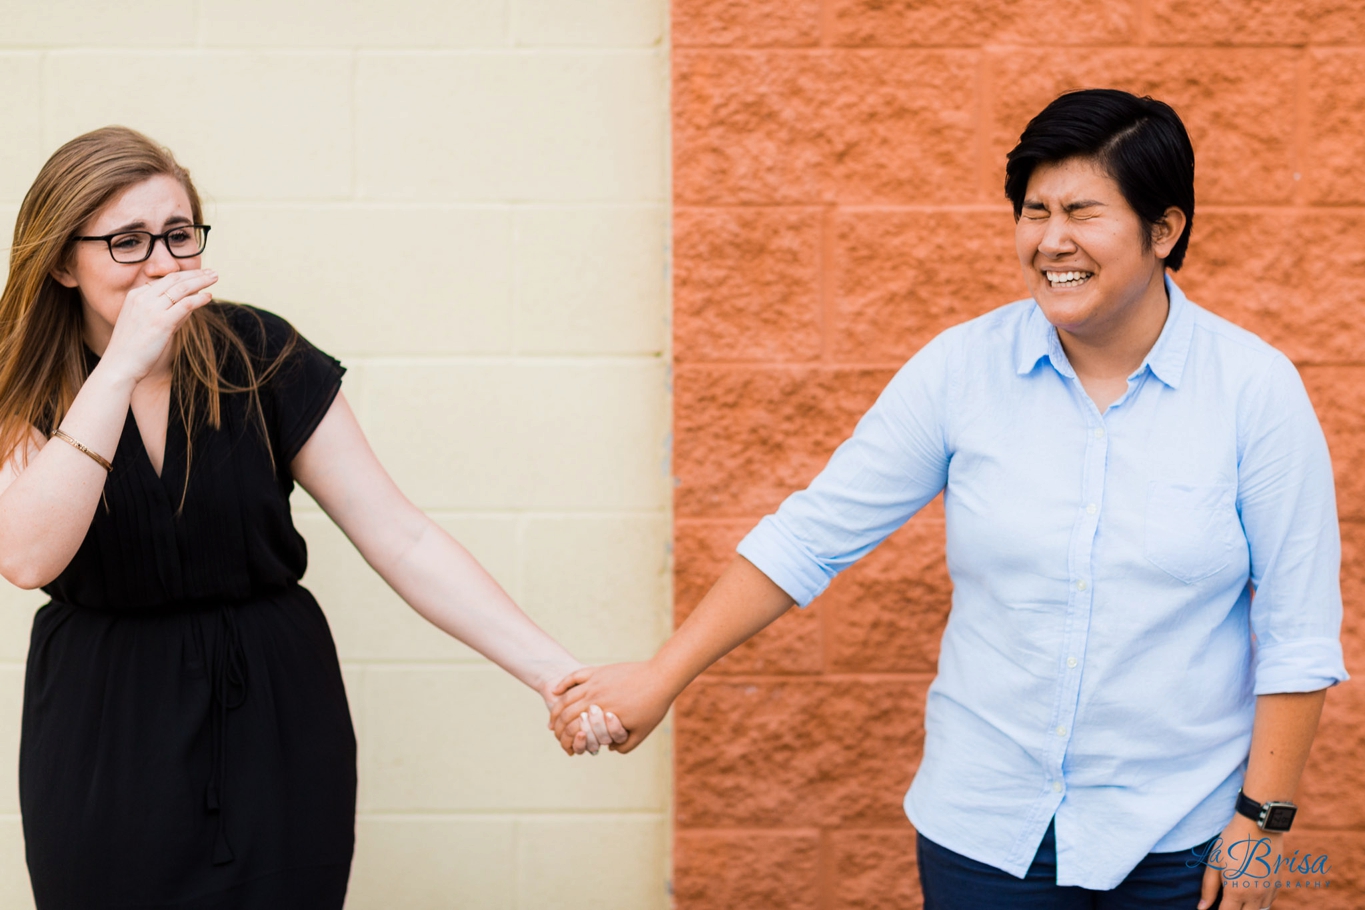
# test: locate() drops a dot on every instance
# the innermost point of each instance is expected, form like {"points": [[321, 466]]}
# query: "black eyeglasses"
{"points": [[182, 241]]}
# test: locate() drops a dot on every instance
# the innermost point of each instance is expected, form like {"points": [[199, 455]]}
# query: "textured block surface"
{"points": [[747, 284], [767, 127], [975, 22], [748, 23], [746, 438], [776, 753], [873, 870], [722, 870], [900, 278], [838, 173], [1337, 118]]}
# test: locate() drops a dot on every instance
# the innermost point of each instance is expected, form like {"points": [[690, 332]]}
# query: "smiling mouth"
{"points": [[1072, 279]]}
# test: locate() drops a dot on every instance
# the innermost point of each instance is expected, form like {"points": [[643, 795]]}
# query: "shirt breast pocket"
{"points": [[1191, 531]]}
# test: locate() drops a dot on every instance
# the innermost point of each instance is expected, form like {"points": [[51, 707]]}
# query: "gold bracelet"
{"points": [[99, 459]]}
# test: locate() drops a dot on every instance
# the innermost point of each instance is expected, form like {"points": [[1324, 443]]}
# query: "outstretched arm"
{"points": [[739, 605], [418, 559]]}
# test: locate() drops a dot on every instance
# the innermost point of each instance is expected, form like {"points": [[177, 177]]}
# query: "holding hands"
{"points": [[634, 692], [587, 727], [638, 695]]}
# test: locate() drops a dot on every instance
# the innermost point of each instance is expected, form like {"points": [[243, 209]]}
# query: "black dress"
{"points": [[186, 739]]}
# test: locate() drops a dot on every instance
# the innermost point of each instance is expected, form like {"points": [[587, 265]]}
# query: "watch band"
{"points": [[1275, 817]]}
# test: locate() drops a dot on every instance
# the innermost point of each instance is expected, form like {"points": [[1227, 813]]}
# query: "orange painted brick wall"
{"points": [[838, 172]]}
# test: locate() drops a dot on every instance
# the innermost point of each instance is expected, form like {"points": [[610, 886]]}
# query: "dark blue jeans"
{"points": [[951, 881]]}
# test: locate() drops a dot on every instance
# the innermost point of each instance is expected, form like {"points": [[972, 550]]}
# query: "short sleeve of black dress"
{"points": [[298, 381]]}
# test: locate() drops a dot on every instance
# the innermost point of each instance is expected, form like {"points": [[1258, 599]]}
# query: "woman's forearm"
{"points": [[445, 584], [741, 603], [1280, 741], [45, 510]]}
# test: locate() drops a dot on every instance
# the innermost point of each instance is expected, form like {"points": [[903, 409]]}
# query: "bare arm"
{"points": [[741, 603], [1281, 737], [419, 560], [46, 508]]}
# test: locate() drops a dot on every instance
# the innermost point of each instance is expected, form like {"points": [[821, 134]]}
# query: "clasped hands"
{"points": [[616, 706]]}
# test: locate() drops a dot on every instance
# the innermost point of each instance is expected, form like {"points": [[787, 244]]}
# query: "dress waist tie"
{"points": [[228, 685]]}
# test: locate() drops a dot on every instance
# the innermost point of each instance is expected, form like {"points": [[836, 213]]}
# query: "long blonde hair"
{"points": [[42, 355]]}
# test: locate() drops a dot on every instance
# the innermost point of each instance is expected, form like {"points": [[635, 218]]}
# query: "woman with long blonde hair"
{"points": [[186, 739]]}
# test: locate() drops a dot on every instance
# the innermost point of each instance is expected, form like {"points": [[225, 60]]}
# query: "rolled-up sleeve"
{"points": [[1287, 504], [895, 462]]}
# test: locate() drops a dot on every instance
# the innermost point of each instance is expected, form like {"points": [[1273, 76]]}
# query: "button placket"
{"points": [[1080, 601]]}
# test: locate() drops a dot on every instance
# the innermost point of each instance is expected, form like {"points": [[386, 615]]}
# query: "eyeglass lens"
{"points": [[135, 246]]}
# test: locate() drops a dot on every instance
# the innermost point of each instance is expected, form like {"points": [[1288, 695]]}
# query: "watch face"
{"points": [[1279, 818]]}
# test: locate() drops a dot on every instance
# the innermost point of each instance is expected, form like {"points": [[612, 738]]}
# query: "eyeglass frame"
{"points": [[151, 245]]}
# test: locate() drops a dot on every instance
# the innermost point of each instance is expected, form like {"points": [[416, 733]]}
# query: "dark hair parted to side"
{"points": [[1140, 142]]}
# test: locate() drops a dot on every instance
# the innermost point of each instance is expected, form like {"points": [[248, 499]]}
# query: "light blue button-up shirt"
{"points": [[1104, 647]]}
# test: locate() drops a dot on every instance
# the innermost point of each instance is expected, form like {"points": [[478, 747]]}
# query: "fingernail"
{"points": [[612, 716], [596, 711]]}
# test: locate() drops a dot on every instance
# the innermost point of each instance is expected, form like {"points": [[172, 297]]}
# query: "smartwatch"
{"points": [[1273, 817]]}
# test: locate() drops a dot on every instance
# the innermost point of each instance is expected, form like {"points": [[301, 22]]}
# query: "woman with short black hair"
{"points": [[1135, 492]]}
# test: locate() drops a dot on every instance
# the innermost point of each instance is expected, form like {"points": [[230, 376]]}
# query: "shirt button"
{"points": [[1071, 662], [1081, 585], [1099, 432], [1056, 786], [1061, 731], [1091, 509]]}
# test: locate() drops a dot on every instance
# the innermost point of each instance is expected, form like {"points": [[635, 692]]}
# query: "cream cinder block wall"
{"points": [[467, 203]]}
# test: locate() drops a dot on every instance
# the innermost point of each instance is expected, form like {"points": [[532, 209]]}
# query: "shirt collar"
{"points": [[1168, 356], [1038, 339]]}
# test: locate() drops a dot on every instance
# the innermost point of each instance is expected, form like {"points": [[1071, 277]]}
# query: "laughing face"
{"points": [[1082, 249]]}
